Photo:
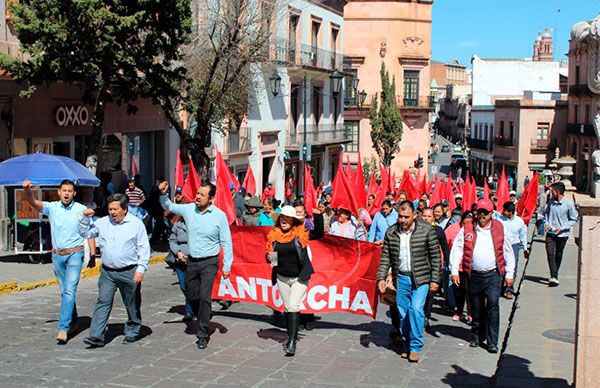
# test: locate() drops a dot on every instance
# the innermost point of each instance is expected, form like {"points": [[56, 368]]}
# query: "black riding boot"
{"points": [[293, 321]]}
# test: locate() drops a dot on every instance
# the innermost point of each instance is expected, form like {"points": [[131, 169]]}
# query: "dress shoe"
{"points": [[61, 337], [93, 342], [414, 357], [492, 349], [129, 340], [202, 343], [474, 343]]}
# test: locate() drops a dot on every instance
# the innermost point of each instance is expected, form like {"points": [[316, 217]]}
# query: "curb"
{"points": [[12, 287]]}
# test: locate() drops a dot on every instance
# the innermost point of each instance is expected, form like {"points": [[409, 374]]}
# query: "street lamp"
{"points": [[354, 83], [336, 82], [362, 97], [275, 83]]}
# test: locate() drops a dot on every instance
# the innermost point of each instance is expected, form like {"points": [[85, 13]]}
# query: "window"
{"points": [[511, 129], [294, 101], [576, 113], [334, 38], [293, 37], [314, 41], [576, 75], [587, 114], [411, 87], [316, 100], [501, 128], [352, 132], [542, 131]]}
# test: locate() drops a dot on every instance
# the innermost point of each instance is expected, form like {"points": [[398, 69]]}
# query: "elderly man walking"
{"points": [[487, 257], [411, 249], [67, 250], [125, 251], [208, 231]]}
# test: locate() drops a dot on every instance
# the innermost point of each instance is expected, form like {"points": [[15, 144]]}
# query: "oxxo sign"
{"points": [[71, 115]]}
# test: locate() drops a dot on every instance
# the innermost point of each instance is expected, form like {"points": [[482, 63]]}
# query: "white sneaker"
{"points": [[553, 282]]}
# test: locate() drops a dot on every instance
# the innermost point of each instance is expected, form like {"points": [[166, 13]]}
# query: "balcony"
{"points": [[318, 135], [504, 142], [479, 144], [542, 145], [289, 53], [421, 102], [581, 129], [579, 90]]}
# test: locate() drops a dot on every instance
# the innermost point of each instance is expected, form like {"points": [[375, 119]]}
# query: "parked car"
{"points": [[445, 148], [456, 157], [457, 148]]}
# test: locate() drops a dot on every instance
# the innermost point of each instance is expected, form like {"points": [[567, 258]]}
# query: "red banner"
{"points": [[344, 280]]}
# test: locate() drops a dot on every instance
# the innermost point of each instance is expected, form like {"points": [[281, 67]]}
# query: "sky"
{"points": [[503, 29]]}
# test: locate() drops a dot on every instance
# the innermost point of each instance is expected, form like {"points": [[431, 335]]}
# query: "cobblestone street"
{"points": [[344, 350]]}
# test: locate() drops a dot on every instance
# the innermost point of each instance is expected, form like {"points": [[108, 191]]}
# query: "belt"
{"points": [[405, 273], [129, 267], [196, 259], [484, 272], [67, 251]]}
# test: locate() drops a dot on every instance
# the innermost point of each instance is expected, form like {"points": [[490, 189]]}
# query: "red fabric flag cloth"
{"points": [[429, 186], [436, 196], [191, 183], [392, 181], [373, 187], [343, 194], [359, 185], [310, 194], [179, 181], [232, 179], [223, 199], [249, 181], [423, 186], [502, 192], [528, 202], [469, 194], [385, 178], [407, 186], [486, 189], [379, 193], [450, 194], [345, 278]]}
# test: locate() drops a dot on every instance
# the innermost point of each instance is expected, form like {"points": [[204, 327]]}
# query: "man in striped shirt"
{"points": [[134, 194]]}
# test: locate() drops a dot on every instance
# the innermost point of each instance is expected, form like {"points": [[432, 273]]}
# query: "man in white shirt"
{"points": [[516, 232], [486, 254]]}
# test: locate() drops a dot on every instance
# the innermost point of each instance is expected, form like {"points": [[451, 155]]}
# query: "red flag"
{"points": [[373, 187], [528, 202], [450, 194], [223, 199], [385, 178], [178, 171], [191, 183], [249, 182], [359, 185], [436, 196], [310, 194], [392, 186], [407, 186], [430, 185], [502, 192], [486, 189], [231, 179], [423, 185], [469, 194], [348, 166], [343, 195]]}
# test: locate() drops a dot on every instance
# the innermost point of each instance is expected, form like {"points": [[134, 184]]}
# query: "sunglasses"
{"points": [[482, 212]]}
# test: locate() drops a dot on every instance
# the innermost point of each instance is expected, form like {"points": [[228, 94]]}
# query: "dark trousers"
{"points": [[461, 294], [484, 292], [199, 278], [554, 250], [395, 316], [108, 283]]}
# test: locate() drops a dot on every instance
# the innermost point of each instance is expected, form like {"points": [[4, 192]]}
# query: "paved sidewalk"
{"points": [[531, 359]]}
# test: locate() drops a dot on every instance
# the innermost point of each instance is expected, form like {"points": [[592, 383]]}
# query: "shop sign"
{"points": [[71, 115]]}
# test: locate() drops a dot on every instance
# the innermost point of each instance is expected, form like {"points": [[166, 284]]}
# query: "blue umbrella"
{"points": [[44, 170]]}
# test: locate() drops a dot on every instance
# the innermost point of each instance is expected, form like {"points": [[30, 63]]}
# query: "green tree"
{"points": [[116, 51], [386, 122]]}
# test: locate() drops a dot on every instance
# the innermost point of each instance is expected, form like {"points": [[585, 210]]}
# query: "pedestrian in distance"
{"points": [[252, 212], [411, 249], [385, 218], [559, 217], [270, 206], [208, 232], [67, 250], [287, 253], [125, 251], [135, 195], [483, 251]]}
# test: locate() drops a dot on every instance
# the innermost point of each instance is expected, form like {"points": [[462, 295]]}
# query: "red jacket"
{"points": [[471, 239]]}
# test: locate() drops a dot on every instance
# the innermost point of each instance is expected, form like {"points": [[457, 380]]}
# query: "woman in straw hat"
{"points": [[287, 252]]}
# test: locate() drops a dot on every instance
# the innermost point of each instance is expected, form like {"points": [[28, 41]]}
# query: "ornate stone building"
{"points": [[584, 101]]}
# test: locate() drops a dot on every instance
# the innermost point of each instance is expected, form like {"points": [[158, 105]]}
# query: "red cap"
{"points": [[485, 204]]}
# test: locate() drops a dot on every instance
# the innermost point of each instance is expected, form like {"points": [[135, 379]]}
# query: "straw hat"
{"points": [[288, 211]]}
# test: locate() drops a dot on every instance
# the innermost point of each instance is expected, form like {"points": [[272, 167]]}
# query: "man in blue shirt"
{"points": [[559, 217], [382, 221], [208, 231], [67, 249], [125, 256]]}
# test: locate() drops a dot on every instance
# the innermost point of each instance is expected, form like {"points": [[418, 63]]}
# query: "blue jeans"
{"points": [[516, 248], [411, 305], [67, 269], [180, 272], [108, 283]]}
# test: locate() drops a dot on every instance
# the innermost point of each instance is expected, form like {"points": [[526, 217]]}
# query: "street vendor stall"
{"points": [[31, 230]]}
